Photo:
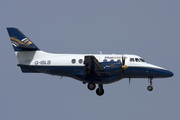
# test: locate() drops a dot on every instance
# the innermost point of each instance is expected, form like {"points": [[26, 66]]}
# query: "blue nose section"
{"points": [[168, 73], [165, 73], [160, 73]]}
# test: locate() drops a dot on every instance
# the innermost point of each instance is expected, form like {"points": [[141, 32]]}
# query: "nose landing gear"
{"points": [[150, 87]]}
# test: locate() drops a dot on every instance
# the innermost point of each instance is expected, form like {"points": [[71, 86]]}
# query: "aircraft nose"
{"points": [[169, 73], [166, 73], [160, 73]]}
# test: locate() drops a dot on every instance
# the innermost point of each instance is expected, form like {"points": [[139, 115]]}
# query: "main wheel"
{"points": [[91, 86], [99, 91], [150, 88]]}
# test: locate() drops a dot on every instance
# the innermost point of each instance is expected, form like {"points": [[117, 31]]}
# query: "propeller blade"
{"points": [[123, 61], [123, 66], [129, 81]]}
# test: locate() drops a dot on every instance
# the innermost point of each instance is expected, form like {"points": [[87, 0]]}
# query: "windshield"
{"points": [[142, 60], [137, 60]]}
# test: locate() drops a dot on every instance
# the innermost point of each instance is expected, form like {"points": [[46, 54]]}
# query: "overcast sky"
{"points": [[148, 28]]}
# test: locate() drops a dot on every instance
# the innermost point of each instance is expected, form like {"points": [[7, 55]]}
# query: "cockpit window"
{"points": [[142, 60], [131, 59], [137, 60]]}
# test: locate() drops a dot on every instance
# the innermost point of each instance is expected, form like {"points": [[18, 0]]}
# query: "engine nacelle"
{"points": [[111, 66]]}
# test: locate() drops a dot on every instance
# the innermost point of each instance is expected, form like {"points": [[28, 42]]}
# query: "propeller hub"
{"points": [[124, 67]]}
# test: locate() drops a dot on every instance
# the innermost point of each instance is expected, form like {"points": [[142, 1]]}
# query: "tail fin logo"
{"points": [[24, 42]]}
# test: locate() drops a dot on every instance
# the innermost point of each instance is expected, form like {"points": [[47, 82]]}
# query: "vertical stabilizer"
{"points": [[23, 47], [19, 41]]}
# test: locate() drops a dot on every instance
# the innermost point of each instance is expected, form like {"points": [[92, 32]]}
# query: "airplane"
{"points": [[88, 68]]}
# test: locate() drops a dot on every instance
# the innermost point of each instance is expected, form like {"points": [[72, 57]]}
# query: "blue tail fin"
{"points": [[20, 42]]}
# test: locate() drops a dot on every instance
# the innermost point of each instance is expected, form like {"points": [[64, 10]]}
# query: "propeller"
{"points": [[123, 65], [123, 60]]}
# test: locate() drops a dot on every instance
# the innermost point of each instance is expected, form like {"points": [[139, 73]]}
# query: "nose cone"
{"points": [[165, 73], [168, 73], [160, 73]]}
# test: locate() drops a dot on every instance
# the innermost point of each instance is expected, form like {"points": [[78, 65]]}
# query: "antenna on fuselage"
{"points": [[100, 52]]}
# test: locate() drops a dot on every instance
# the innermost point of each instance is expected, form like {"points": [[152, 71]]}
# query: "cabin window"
{"points": [[137, 60], [131, 59], [118, 60], [105, 60], [111, 60], [73, 61], [80, 61]]}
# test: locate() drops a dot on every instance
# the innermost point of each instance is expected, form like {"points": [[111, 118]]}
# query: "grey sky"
{"points": [[148, 28]]}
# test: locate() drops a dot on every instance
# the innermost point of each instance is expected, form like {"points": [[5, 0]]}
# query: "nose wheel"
{"points": [[150, 87]]}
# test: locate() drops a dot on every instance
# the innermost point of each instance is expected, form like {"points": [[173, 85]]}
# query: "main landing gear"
{"points": [[91, 86], [150, 87], [99, 90]]}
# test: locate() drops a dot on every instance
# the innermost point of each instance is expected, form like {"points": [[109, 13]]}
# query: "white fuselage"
{"points": [[51, 59]]}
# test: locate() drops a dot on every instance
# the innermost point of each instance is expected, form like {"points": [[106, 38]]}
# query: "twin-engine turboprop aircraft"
{"points": [[89, 68]]}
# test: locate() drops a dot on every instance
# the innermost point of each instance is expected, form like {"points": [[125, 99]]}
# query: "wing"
{"points": [[92, 63], [91, 67]]}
